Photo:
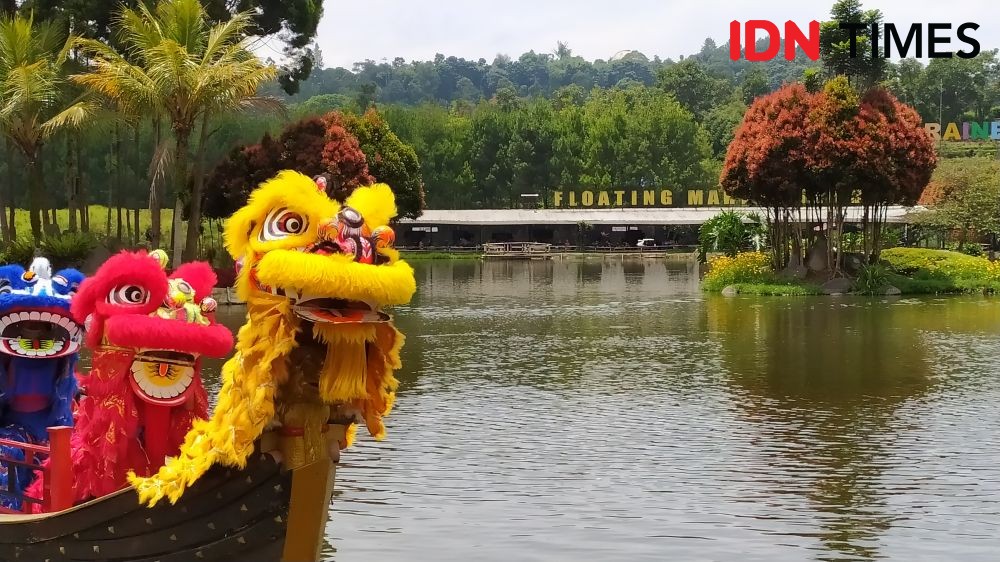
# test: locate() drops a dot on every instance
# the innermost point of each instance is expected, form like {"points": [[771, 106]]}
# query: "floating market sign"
{"points": [[611, 198], [985, 130]]}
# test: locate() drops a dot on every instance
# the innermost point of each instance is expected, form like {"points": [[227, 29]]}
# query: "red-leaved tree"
{"points": [[345, 165], [834, 146], [768, 162]]}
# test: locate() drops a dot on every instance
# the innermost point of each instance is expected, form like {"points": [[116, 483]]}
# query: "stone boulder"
{"points": [[816, 255], [837, 286], [890, 290], [730, 291]]}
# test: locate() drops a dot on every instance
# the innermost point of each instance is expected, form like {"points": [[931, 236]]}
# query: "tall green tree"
{"points": [[33, 62], [177, 65], [290, 24], [866, 67], [692, 86], [390, 161]]}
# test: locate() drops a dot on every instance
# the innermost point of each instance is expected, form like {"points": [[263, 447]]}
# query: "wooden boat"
{"points": [[262, 512]]}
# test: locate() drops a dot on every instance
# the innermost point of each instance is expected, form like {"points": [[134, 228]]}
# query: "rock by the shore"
{"points": [[890, 290], [730, 291], [837, 286]]}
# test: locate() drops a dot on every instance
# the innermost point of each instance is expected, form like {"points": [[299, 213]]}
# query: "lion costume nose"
{"points": [[351, 236]]}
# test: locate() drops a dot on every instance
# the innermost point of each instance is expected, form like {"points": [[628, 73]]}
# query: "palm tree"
{"points": [[33, 60], [178, 68]]}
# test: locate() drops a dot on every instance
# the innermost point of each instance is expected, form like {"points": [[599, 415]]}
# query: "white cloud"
{"points": [[417, 30]]}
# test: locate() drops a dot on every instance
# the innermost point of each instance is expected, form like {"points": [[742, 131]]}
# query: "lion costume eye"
{"points": [[281, 223], [128, 295]]}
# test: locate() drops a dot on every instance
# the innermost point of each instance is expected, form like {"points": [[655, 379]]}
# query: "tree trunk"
{"points": [[36, 187], [12, 210], [194, 217], [4, 228], [155, 195], [180, 187], [71, 181], [135, 224], [83, 203]]}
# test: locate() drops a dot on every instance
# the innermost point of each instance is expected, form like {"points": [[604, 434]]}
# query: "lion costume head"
{"points": [[316, 347]]}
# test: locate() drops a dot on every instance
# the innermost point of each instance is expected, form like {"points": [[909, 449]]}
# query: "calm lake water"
{"points": [[607, 410]]}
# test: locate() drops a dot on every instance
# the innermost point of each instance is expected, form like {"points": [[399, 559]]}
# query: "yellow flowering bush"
{"points": [[914, 261], [745, 267], [924, 270]]}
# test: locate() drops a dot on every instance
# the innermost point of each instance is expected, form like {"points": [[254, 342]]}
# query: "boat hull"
{"points": [[229, 514]]}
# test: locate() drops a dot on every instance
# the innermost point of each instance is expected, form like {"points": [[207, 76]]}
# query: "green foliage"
{"points": [[390, 161], [872, 280], [70, 249], [694, 88], [725, 233], [969, 197], [786, 289], [864, 69], [921, 270], [20, 252]]}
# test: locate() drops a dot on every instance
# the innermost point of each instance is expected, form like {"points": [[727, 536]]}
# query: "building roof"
{"points": [[627, 216]]}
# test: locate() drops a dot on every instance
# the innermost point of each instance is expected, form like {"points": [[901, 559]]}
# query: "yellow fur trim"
{"points": [[245, 407], [376, 203], [338, 276], [360, 360]]}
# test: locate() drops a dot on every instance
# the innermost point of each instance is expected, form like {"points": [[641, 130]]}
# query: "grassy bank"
{"points": [[922, 271], [914, 271], [98, 215]]}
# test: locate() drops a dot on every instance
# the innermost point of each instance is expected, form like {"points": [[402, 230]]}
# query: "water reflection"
{"points": [[606, 410]]}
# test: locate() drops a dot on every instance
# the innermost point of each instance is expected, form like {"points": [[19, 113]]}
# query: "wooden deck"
{"points": [[517, 250]]}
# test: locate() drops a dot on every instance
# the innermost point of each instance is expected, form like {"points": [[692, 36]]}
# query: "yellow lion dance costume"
{"points": [[316, 350]]}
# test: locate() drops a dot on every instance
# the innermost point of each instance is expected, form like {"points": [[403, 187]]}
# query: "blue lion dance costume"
{"points": [[39, 342]]}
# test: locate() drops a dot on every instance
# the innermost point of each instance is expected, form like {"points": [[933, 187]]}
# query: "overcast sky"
{"points": [[417, 29]]}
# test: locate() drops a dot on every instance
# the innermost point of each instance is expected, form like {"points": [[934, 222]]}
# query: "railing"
{"points": [[555, 248], [515, 248], [57, 476]]}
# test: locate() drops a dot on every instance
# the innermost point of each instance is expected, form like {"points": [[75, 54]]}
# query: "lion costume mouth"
{"points": [[40, 334], [162, 377]]}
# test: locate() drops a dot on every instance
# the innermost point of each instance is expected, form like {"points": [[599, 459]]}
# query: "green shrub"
{"points": [[69, 249], [872, 280], [778, 289], [922, 270], [20, 252], [972, 250], [725, 233]]}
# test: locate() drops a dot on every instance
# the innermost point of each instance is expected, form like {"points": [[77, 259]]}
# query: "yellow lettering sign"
{"points": [[696, 197], [618, 198], [666, 198], [587, 198], [713, 197], [951, 133], [603, 200]]}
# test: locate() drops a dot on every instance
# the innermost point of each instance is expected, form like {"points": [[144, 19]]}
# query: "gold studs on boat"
{"points": [[211, 525], [243, 507], [111, 529], [173, 537]]}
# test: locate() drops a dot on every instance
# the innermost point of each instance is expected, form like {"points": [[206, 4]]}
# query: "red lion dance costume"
{"points": [[147, 332]]}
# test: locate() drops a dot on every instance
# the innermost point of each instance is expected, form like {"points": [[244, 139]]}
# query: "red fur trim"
{"points": [[150, 332], [105, 440], [126, 268], [199, 275]]}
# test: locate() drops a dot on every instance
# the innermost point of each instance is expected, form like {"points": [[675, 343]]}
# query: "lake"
{"points": [[608, 410]]}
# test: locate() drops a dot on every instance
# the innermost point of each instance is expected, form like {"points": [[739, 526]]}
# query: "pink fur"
{"points": [[199, 275], [150, 332]]}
